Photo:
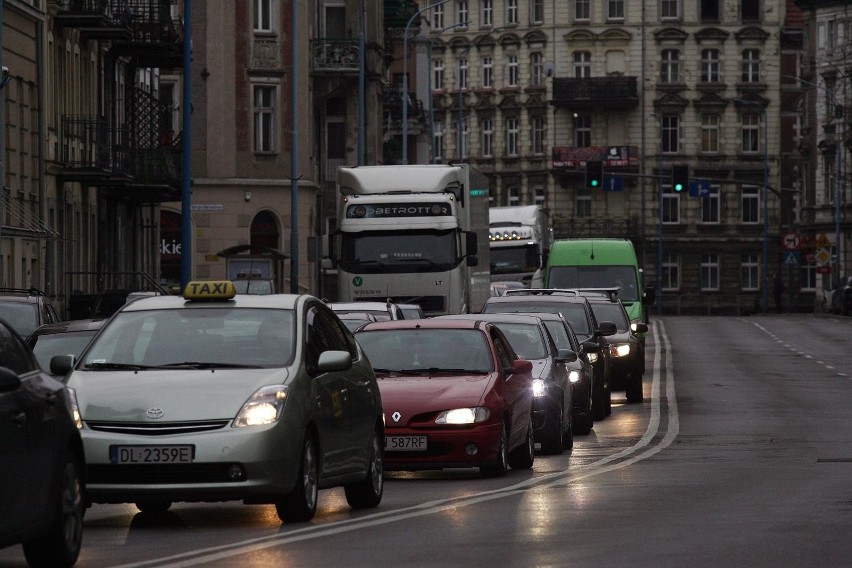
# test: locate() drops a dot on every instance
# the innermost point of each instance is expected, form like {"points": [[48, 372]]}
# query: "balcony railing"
{"points": [[595, 93], [335, 55]]}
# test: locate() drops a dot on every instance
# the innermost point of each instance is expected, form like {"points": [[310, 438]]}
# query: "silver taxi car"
{"points": [[213, 396]]}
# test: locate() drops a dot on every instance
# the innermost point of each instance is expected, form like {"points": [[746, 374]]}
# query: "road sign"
{"points": [[791, 257], [822, 241], [823, 257], [699, 188], [613, 183], [791, 241]]}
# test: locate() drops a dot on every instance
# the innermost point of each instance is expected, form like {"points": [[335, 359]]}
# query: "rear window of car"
{"points": [[229, 336], [423, 349]]}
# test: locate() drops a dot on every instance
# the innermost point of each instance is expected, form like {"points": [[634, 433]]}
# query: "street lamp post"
{"points": [[765, 199], [405, 77]]}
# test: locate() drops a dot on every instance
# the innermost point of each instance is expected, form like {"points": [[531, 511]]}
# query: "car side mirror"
{"points": [[640, 327], [9, 380], [330, 361], [566, 356], [590, 346], [473, 260], [606, 328], [522, 367], [61, 364]]}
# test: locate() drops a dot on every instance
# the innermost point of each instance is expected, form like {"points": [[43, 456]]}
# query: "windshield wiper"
{"points": [[116, 366], [200, 365], [455, 370], [400, 371]]}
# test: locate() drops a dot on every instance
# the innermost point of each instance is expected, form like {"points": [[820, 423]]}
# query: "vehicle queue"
{"points": [[219, 396]]}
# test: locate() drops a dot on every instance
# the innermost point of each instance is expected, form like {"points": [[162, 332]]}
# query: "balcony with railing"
{"points": [[335, 56], [595, 93]]}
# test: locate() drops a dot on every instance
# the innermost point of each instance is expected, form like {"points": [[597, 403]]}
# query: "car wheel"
{"points": [[60, 545], [523, 456], [598, 403], [501, 465], [153, 506], [367, 493], [634, 388], [583, 423], [301, 504], [568, 437], [608, 400], [553, 442]]}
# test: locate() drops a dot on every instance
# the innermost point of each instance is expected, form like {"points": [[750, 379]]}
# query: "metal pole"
{"points": [[294, 152], [2, 146], [838, 172], [660, 228], [460, 123], [765, 211], [361, 72], [405, 78], [186, 144]]}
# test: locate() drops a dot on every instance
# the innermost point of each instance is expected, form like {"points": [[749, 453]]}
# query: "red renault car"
{"points": [[455, 395]]}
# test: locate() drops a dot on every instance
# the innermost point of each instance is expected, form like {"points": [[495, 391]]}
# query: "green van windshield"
{"points": [[596, 277]]}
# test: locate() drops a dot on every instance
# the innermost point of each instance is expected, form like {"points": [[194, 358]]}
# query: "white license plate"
{"points": [[151, 454], [405, 443]]}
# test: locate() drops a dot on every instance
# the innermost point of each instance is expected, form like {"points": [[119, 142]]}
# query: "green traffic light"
{"points": [[678, 187], [594, 183]]}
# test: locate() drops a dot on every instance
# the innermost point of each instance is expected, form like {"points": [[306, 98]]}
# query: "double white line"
{"points": [[641, 450]]}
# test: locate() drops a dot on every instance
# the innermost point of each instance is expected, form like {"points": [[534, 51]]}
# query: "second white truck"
{"points": [[521, 238]]}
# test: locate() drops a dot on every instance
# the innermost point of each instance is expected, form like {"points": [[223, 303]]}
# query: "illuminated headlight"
{"points": [[539, 388], [74, 408], [593, 357], [264, 407], [463, 416], [574, 376], [620, 350]]}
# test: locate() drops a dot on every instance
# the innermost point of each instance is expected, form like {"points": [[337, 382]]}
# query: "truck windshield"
{"points": [[378, 252], [514, 260], [624, 277]]}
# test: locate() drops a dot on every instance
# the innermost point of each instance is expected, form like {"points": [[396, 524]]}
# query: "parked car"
{"points": [[67, 337], [42, 478], [355, 320], [552, 379], [217, 396], [578, 312], [456, 395], [381, 310], [841, 297], [26, 309]]}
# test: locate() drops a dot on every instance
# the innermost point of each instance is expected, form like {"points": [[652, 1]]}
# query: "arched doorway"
{"points": [[264, 231]]}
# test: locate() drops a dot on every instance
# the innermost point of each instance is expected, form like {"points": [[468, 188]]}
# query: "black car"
{"points": [[591, 333], [26, 309], [552, 403], [62, 338], [581, 371], [626, 350], [41, 459]]}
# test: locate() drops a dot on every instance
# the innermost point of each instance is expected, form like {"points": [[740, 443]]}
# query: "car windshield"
{"points": [[573, 312], [397, 252], [22, 316], [205, 336], [611, 312], [560, 335], [623, 277], [427, 350], [71, 343], [525, 339]]}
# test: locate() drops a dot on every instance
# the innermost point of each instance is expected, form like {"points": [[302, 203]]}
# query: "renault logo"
{"points": [[396, 416], [155, 413]]}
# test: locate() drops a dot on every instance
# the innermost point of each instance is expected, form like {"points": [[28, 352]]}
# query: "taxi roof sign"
{"points": [[209, 290]]}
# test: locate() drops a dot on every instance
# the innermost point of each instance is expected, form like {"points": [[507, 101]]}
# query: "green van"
{"points": [[600, 263]]}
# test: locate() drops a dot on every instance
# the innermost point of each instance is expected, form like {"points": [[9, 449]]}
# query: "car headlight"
{"points": [[539, 388], [463, 416], [592, 356], [263, 407], [619, 350], [574, 376], [74, 408]]}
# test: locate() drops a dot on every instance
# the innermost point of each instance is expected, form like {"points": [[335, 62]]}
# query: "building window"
{"points": [[582, 64], [437, 16], [487, 13], [807, 277], [512, 71], [438, 140], [671, 206], [538, 135], [536, 69], [751, 133], [583, 204], [750, 10], [537, 11], [486, 126], [669, 9], [263, 15], [750, 204], [264, 118], [750, 272], [709, 272], [709, 11], [710, 133], [487, 72], [438, 74], [582, 9], [511, 12], [513, 196], [709, 65], [671, 272], [462, 73], [583, 130], [711, 206], [751, 66], [462, 14], [512, 136], [540, 196], [615, 10], [671, 134], [670, 66]]}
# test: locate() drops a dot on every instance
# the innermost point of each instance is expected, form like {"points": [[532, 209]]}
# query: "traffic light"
{"points": [[680, 177], [594, 174]]}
